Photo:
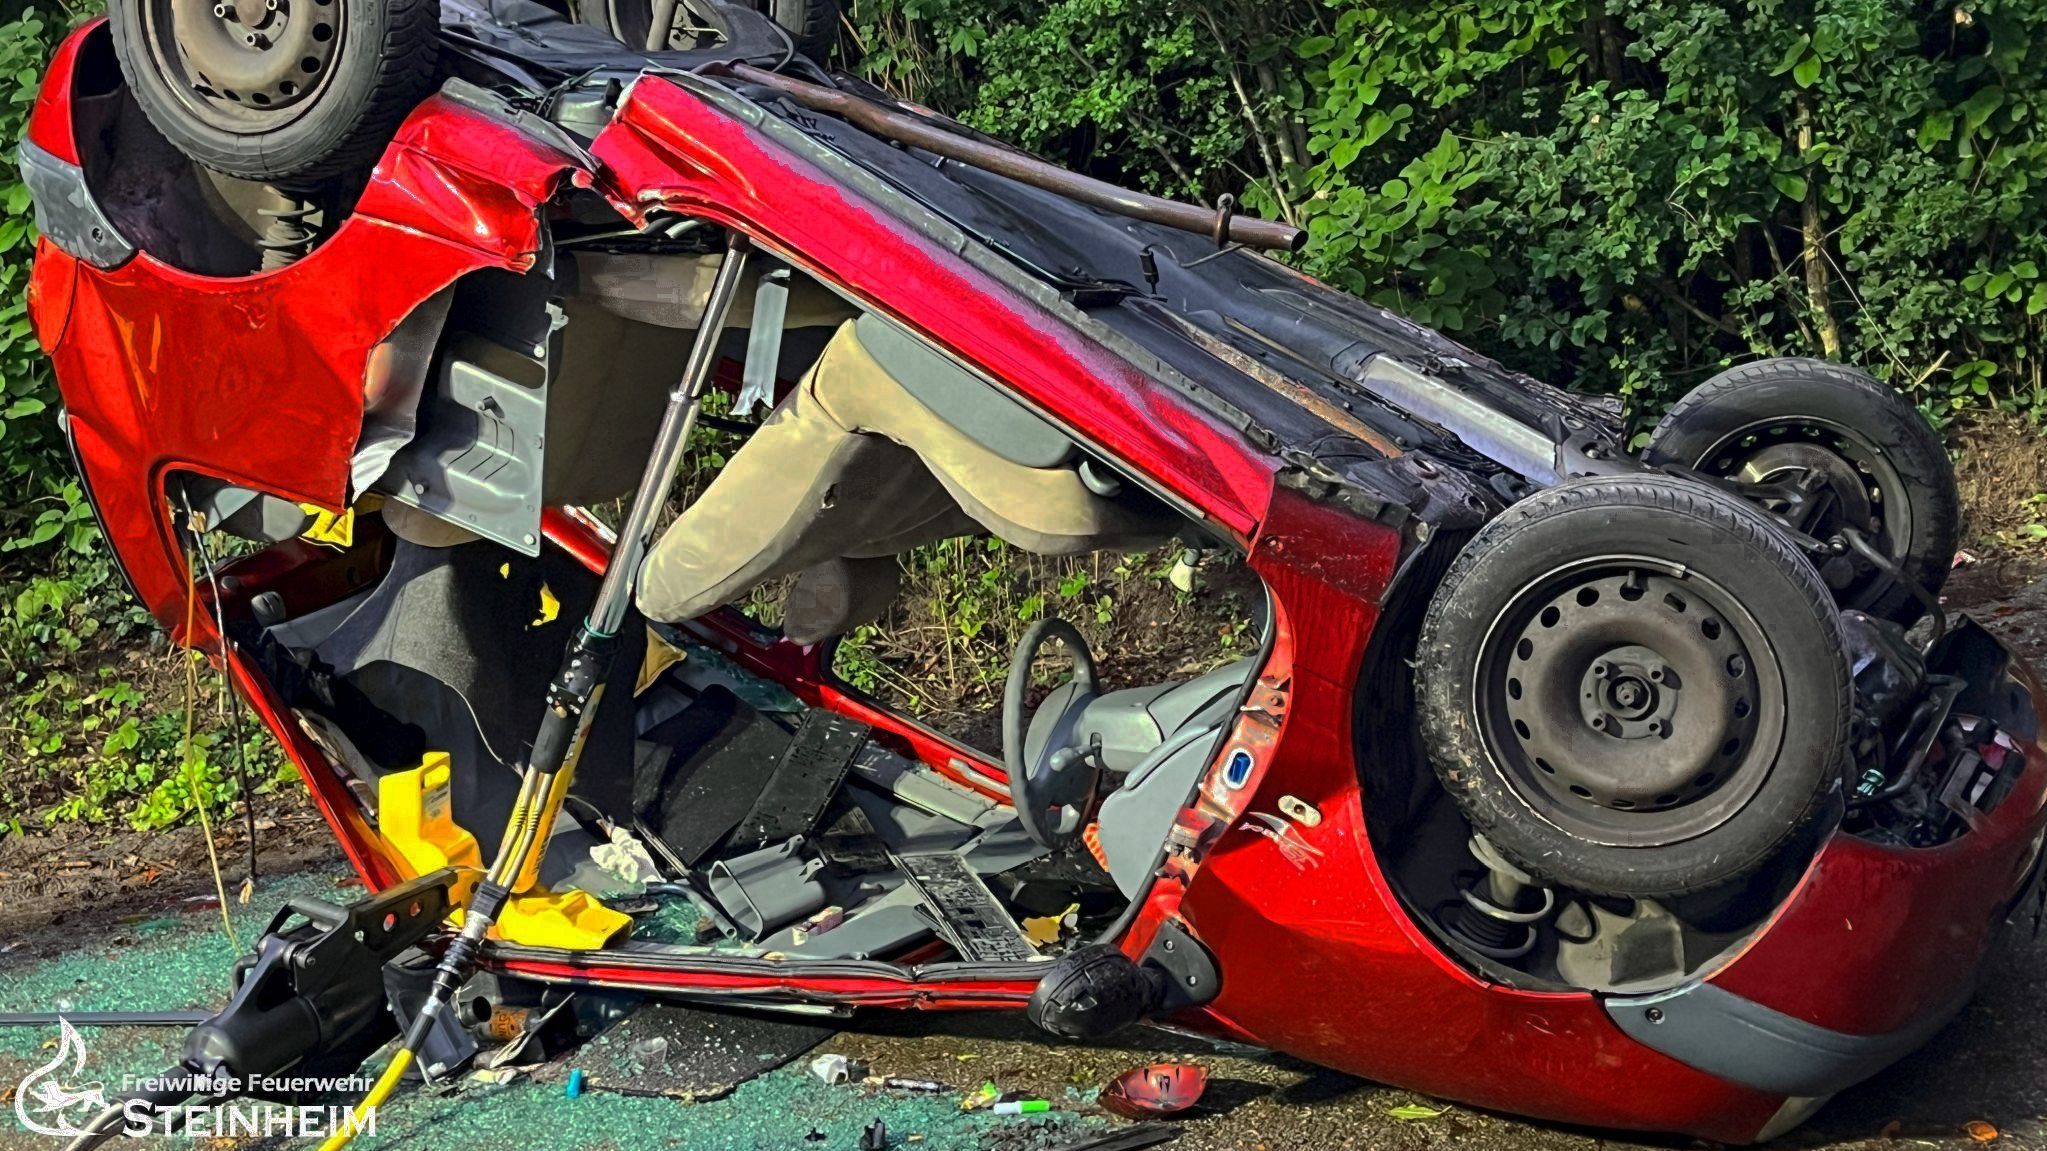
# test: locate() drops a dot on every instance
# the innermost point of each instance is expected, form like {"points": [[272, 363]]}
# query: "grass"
{"points": [[943, 651], [92, 713]]}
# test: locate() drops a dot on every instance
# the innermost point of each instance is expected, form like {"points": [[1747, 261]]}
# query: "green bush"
{"points": [[90, 729], [32, 463], [1623, 198]]}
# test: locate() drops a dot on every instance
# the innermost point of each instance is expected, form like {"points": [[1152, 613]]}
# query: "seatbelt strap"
{"points": [[764, 342]]}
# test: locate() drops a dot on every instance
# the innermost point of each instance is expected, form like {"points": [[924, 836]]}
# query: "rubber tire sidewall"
{"points": [[1790, 387], [385, 67], [812, 24], [1721, 539]]}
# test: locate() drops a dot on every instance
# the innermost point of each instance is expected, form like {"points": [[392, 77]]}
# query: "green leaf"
{"points": [[1938, 127], [1792, 56], [1316, 46], [1378, 125], [1979, 106], [1792, 187], [25, 406], [1807, 73]]}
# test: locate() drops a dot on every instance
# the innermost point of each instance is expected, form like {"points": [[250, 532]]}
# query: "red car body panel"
{"points": [[1875, 934], [261, 381]]}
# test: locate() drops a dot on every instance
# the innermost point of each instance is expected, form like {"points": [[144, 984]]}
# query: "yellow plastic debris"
{"points": [[550, 607], [1045, 930], [329, 527], [661, 655]]}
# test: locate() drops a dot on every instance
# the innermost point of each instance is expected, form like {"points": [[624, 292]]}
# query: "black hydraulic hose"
{"points": [[104, 1018]]}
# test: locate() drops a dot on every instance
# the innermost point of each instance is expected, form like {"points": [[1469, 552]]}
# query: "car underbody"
{"points": [[399, 400]]}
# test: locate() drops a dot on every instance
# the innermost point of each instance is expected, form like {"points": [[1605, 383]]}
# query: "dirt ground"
{"points": [[138, 894]]}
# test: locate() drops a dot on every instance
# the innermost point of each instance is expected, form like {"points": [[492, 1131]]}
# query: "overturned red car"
{"points": [[1648, 791]]}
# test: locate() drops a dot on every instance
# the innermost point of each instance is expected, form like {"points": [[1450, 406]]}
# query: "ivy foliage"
{"points": [[1621, 197]]}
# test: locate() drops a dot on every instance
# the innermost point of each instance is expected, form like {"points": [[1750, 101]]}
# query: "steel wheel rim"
{"points": [[250, 67], [1677, 754], [1745, 455]]}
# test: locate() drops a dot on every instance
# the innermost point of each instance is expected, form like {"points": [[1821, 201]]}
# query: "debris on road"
{"points": [[1023, 1107], [1125, 1138], [836, 1069], [1155, 1090], [897, 1083]]}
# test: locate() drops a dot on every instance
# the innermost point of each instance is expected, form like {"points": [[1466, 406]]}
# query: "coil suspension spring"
{"points": [[1501, 908], [289, 232]]}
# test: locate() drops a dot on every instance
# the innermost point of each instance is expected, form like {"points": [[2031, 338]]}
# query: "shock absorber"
{"points": [[1500, 910], [289, 231], [575, 692]]}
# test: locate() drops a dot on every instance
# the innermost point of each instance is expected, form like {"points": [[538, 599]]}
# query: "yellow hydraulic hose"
{"points": [[379, 1091]]}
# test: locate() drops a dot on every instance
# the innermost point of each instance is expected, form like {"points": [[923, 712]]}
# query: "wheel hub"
{"points": [[1625, 704], [1629, 692], [1819, 478], [258, 55]]}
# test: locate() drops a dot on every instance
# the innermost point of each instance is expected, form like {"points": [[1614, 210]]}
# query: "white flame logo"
{"points": [[54, 1102]]}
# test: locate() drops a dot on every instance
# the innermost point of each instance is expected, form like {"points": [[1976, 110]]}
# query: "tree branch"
{"points": [[1258, 135], [1817, 294]]}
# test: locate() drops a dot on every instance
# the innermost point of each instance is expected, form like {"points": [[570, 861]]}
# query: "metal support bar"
{"points": [[1220, 223], [636, 535]]}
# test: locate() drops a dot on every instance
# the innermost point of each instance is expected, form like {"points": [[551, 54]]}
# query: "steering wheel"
{"points": [[1054, 770]]}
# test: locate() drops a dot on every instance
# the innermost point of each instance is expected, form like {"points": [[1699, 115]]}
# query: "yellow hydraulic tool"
{"points": [[416, 819]]}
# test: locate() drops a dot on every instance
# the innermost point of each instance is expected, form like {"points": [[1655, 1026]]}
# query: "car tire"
{"points": [[1584, 619], [812, 25], [379, 63], [1732, 421]]}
